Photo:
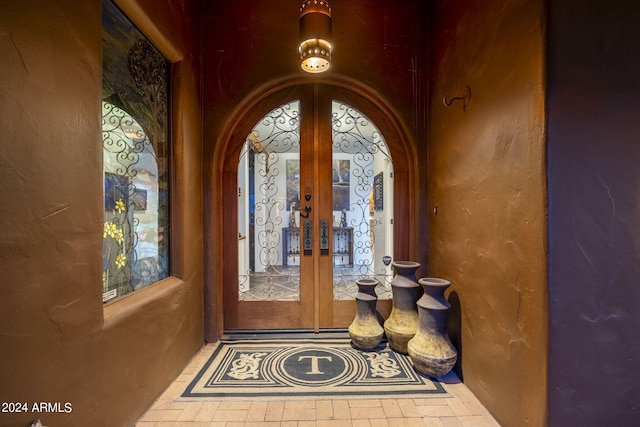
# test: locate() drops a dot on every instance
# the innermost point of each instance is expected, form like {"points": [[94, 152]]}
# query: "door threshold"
{"points": [[259, 334]]}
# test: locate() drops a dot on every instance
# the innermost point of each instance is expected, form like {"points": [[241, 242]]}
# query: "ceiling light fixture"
{"points": [[315, 36]]}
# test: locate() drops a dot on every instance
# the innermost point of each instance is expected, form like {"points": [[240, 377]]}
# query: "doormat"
{"points": [[315, 368]]}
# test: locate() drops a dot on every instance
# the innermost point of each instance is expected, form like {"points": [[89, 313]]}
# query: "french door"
{"points": [[315, 212]]}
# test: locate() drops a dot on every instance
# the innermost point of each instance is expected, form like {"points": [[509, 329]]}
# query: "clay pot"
{"points": [[402, 323], [365, 330], [430, 349]]}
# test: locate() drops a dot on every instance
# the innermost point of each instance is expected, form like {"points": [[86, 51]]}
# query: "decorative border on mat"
{"points": [[308, 368]]}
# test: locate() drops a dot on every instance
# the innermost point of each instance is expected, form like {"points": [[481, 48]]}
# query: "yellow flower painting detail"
{"points": [[121, 260], [112, 230], [120, 206]]}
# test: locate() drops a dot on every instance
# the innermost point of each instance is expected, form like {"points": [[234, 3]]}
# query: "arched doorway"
{"points": [[306, 212]]}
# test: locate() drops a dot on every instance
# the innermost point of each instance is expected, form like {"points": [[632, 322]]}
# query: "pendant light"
{"points": [[315, 36]]}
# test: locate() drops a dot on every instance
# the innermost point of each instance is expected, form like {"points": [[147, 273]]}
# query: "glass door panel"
{"points": [[362, 203], [268, 204]]}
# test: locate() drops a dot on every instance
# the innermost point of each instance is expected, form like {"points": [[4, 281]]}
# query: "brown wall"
{"points": [[594, 226], [250, 47], [486, 179], [58, 342]]}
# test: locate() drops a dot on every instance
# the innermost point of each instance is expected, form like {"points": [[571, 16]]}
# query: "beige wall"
{"points": [[58, 342], [486, 178]]}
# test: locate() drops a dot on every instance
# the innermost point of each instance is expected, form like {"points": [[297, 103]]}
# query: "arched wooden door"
{"points": [[313, 201]]}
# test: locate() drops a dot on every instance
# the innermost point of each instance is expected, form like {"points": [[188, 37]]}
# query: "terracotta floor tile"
{"points": [[380, 423], [298, 413], [190, 411], [408, 408], [406, 422], [257, 411], [473, 405], [230, 415], [334, 423], [432, 422], [391, 408], [478, 421], [341, 410], [274, 411], [300, 404], [436, 401], [161, 415], [436, 411], [199, 424], [450, 422], [235, 405], [458, 407], [324, 410], [364, 403], [169, 404], [207, 411], [367, 413]]}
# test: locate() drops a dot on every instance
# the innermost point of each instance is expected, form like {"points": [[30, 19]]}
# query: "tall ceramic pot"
{"points": [[402, 323], [430, 349], [365, 330]]}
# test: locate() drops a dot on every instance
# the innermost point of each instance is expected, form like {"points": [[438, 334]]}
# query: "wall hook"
{"points": [[465, 98]]}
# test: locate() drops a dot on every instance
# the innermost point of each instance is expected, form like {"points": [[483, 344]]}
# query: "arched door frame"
{"points": [[221, 206]]}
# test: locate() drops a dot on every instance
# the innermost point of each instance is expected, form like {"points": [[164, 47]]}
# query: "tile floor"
{"points": [[459, 408], [283, 283]]}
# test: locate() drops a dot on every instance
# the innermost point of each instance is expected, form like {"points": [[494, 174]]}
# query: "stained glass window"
{"points": [[135, 135]]}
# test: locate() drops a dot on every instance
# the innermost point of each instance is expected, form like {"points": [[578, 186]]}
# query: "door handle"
{"points": [[324, 237], [307, 237], [307, 210]]}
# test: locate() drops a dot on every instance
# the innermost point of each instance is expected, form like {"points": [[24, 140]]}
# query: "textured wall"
{"points": [[594, 221], [486, 179], [58, 343], [253, 44]]}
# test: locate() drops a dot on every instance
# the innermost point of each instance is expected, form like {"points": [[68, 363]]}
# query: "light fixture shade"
{"points": [[315, 36]]}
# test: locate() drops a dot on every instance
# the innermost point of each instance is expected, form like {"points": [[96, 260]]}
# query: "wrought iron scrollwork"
{"points": [[362, 143], [271, 155], [266, 149], [129, 161]]}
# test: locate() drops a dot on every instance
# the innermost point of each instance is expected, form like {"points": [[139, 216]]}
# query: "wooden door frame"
{"points": [[221, 224]]}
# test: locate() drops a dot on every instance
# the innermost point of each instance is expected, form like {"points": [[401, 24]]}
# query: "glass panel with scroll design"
{"points": [[362, 204], [268, 203]]}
